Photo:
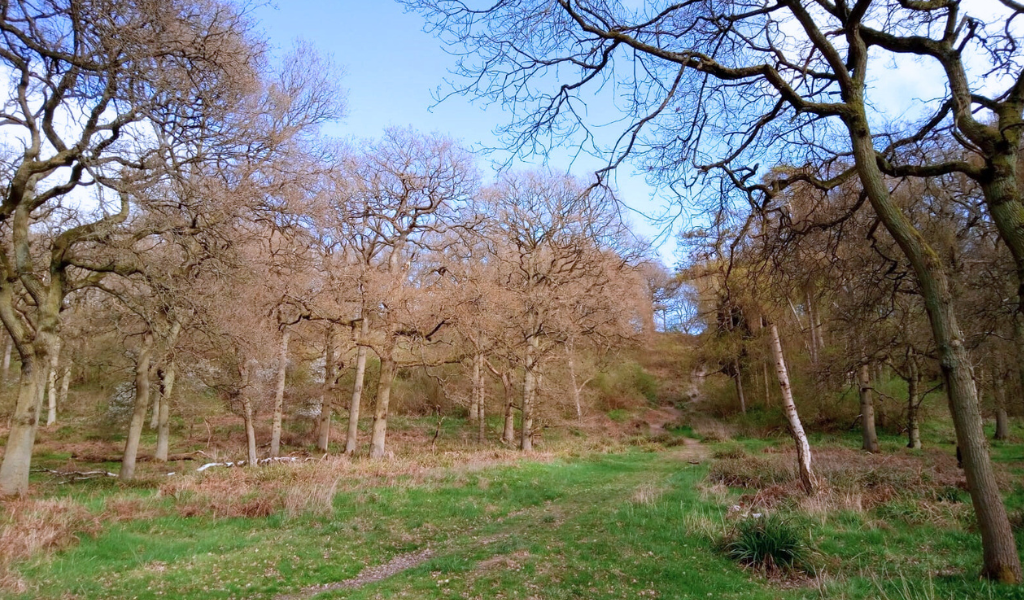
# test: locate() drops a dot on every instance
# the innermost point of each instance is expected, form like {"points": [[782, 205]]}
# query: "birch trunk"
{"points": [[351, 441], [131, 448], [65, 383], [380, 410], [282, 371], [250, 432], [867, 411], [796, 429], [163, 425], [51, 385]]}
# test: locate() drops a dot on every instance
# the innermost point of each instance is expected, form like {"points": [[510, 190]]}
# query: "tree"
{"points": [[724, 85]]}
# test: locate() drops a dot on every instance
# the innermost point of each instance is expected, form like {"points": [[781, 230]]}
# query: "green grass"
{"points": [[632, 525]]}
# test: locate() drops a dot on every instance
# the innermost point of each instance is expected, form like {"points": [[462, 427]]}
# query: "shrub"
{"points": [[769, 544]]}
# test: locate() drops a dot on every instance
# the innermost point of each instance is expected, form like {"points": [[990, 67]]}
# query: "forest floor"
{"points": [[648, 516]]}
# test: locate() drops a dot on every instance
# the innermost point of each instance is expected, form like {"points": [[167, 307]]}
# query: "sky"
{"points": [[391, 68]]}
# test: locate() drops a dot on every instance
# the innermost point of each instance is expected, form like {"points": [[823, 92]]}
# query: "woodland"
{"points": [[243, 358]]}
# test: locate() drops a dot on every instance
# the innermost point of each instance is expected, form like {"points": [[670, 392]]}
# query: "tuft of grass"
{"points": [[769, 544]]}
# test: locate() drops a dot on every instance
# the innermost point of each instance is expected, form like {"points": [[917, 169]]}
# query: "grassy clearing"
{"points": [[635, 523]]}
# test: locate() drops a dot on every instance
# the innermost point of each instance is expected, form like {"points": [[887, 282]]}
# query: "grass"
{"points": [[628, 524]]}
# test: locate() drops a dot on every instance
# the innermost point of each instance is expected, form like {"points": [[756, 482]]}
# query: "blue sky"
{"points": [[391, 68]]}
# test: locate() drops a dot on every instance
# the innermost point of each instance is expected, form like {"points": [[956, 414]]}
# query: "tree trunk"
{"points": [[508, 434], [163, 425], [812, 321], [131, 448], [867, 411], [481, 432], [8, 345], [1002, 419], [250, 432], [738, 374], [913, 406], [388, 369], [51, 385], [1001, 561], [529, 393], [351, 440], [65, 383], [14, 470], [576, 391], [330, 386], [796, 429], [474, 397], [767, 388], [282, 371]]}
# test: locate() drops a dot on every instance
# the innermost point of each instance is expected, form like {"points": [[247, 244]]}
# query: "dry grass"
{"points": [[32, 527]]}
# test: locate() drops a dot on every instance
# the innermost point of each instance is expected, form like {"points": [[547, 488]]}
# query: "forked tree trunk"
{"points": [[529, 394], [51, 385], [867, 411], [14, 470], [352, 439], [738, 376], [388, 369], [131, 447], [1000, 557], [163, 425], [913, 406], [282, 371], [796, 429], [330, 386]]}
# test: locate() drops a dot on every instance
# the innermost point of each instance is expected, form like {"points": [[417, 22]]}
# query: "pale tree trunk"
{"points": [[154, 418], [812, 321], [388, 369], [14, 470], [867, 411], [1002, 419], [323, 439], [529, 393], [250, 432], [481, 433], [131, 448], [163, 425], [474, 397], [576, 391], [767, 388], [914, 406], [1000, 557], [351, 441], [65, 383], [796, 429], [8, 346], [508, 433], [739, 385], [51, 385], [282, 371]]}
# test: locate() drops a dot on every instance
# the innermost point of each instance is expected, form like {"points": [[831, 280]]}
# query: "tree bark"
{"points": [[481, 432], [508, 433], [529, 393], [867, 411], [282, 371], [250, 432], [796, 429], [14, 470], [330, 386], [1002, 419], [131, 448], [738, 377], [163, 425], [51, 385], [812, 320], [913, 406], [8, 346], [388, 369], [65, 383], [351, 441]]}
